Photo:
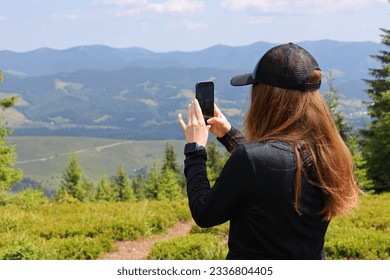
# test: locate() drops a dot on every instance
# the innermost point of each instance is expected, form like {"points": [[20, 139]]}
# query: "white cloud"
{"points": [[122, 2], [65, 16], [289, 6], [2, 18], [260, 20], [135, 8], [194, 25]]}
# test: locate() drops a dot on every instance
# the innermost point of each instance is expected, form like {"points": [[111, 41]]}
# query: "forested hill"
{"points": [[136, 93]]}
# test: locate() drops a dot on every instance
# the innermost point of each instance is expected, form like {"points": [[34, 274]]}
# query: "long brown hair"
{"points": [[303, 120]]}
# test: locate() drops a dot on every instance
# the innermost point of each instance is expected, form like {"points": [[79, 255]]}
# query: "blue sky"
{"points": [[185, 25]]}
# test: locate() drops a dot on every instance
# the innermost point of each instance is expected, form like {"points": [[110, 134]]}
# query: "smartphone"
{"points": [[204, 93]]}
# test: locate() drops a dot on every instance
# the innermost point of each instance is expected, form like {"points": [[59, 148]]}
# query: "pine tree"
{"points": [[376, 142], [105, 190], [170, 159], [72, 180], [151, 182], [9, 175], [138, 187], [89, 192], [332, 100], [360, 163], [168, 188], [124, 190], [214, 161]]}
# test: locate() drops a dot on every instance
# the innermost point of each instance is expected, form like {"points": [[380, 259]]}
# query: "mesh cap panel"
{"points": [[287, 66]]}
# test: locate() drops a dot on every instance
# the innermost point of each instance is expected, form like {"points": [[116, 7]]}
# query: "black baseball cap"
{"points": [[286, 66]]}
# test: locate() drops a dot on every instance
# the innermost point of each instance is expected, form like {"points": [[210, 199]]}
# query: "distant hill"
{"points": [[136, 93]]}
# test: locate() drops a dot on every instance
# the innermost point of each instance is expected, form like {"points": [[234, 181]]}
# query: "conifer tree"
{"points": [[360, 163], [151, 182], [105, 191], [72, 180], [124, 190], [170, 159], [332, 100], [138, 187], [89, 192], [9, 175], [376, 142], [168, 188], [214, 161]]}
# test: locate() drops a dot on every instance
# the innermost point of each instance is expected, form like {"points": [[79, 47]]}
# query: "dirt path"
{"points": [[139, 249]]}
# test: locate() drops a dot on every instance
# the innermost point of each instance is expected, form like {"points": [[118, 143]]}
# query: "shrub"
{"points": [[363, 234], [220, 231], [189, 247], [23, 249], [28, 199], [80, 230]]}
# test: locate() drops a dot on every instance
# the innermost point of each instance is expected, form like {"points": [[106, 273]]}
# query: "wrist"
{"points": [[191, 148]]}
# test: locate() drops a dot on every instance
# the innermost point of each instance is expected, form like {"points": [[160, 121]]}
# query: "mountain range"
{"points": [[136, 93]]}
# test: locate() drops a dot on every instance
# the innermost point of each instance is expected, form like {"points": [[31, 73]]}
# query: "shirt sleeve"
{"points": [[216, 205], [232, 139]]}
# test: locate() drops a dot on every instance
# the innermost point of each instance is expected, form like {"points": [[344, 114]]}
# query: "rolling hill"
{"points": [[133, 93]]}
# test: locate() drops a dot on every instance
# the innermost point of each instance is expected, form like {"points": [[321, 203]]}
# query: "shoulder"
{"points": [[271, 147], [272, 153]]}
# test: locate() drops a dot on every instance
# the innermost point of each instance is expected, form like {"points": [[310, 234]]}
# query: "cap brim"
{"points": [[242, 80]]}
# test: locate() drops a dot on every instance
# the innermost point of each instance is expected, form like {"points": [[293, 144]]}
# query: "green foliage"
{"points": [[123, 186], [170, 159], [138, 187], [215, 161], [81, 230], [360, 164], [168, 187], [8, 174], [220, 231], [23, 248], [164, 185], [363, 234], [376, 142], [151, 182], [28, 199], [190, 247], [72, 180], [332, 100], [105, 191]]}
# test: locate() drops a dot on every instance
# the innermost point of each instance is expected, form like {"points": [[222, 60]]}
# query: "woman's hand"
{"points": [[219, 124], [196, 130]]}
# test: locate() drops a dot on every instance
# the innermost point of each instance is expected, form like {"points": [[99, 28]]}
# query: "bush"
{"points": [[189, 247], [220, 231], [28, 199], [79, 230], [23, 249], [363, 234]]}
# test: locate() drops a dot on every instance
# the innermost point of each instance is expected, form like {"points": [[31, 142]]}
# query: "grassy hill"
{"points": [[43, 159]]}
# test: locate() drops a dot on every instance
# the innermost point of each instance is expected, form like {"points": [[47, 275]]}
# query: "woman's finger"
{"points": [[191, 117], [198, 112], [181, 122]]}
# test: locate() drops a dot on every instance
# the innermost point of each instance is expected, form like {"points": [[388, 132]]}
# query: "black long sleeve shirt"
{"points": [[255, 192]]}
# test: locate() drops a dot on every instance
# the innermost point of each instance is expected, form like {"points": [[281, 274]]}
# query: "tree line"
{"points": [[370, 148], [165, 183]]}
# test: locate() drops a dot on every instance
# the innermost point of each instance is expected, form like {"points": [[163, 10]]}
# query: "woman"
{"points": [[287, 178]]}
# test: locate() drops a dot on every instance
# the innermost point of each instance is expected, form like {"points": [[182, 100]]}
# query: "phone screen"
{"points": [[205, 96]]}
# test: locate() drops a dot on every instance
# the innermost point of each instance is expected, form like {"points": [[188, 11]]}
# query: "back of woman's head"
{"points": [[302, 119]]}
